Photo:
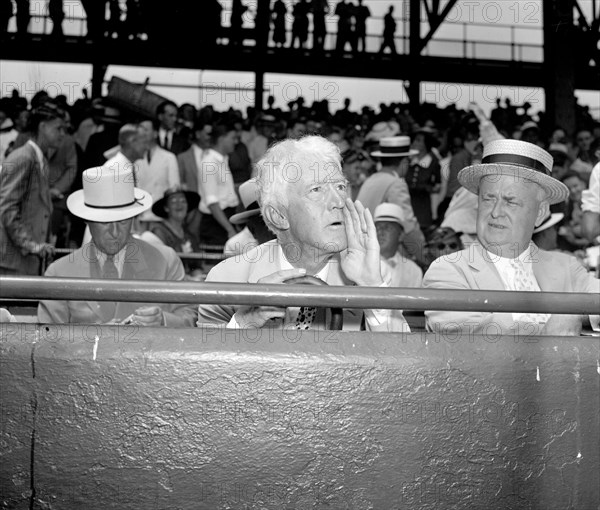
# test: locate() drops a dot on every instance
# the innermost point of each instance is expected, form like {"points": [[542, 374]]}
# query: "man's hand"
{"points": [[257, 316], [148, 316], [42, 249], [360, 260], [56, 194], [563, 325]]}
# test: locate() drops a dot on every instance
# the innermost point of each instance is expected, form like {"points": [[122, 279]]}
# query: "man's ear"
{"points": [[276, 218], [543, 212]]}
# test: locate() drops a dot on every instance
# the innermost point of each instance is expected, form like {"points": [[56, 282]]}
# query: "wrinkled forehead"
{"points": [[508, 183]]}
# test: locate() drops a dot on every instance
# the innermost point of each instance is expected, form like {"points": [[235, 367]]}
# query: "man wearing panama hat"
{"points": [[515, 190], [388, 186], [108, 203]]}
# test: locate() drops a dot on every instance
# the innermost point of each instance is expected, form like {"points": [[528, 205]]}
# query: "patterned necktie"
{"points": [[306, 316], [524, 282], [109, 270]]}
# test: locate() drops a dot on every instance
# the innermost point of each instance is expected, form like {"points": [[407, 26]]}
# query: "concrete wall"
{"points": [[192, 419]]}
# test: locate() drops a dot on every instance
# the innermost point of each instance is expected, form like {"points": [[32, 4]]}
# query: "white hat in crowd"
{"points": [[108, 195], [394, 146], [390, 212], [249, 196]]}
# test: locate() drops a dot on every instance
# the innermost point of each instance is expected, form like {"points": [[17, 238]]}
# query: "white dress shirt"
{"points": [[215, 182]]}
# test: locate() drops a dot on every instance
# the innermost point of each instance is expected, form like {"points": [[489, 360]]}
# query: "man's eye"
{"points": [[315, 189], [342, 187]]}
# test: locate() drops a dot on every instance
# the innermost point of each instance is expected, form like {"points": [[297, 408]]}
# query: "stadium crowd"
{"points": [[195, 180]]}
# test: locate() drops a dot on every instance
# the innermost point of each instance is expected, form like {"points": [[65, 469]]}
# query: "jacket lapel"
{"points": [[479, 261], [547, 274]]}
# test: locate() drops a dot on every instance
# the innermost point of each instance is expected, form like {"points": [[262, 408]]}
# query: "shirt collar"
{"points": [[118, 258], [284, 264]]}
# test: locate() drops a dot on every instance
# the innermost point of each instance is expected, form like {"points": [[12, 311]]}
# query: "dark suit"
{"points": [[25, 209], [143, 261], [188, 169]]}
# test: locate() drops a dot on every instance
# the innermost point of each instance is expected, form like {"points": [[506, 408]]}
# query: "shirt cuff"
{"points": [[233, 323], [378, 316]]}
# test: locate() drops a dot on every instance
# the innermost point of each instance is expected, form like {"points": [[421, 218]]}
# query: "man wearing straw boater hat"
{"points": [[108, 202], [515, 190]]}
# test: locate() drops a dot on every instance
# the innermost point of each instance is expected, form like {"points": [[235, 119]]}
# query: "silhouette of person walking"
{"points": [[238, 9], [344, 11], [361, 13], [300, 24], [278, 15], [389, 29], [57, 15], [319, 9]]}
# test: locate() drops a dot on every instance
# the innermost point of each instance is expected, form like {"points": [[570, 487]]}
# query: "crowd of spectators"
{"points": [[178, 140]]}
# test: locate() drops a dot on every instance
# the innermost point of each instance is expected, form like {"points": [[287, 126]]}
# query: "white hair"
{"points": [[285, 162]]}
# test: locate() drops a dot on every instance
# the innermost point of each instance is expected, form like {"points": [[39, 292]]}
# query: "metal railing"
{"points": [[155, 291], [511, 49]]}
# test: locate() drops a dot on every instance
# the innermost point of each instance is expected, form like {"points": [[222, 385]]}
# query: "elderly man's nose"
{"points": [[498, 209]]}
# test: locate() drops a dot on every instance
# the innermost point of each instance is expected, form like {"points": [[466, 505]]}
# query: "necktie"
{"points": [[524, 282], [306, 316], [109, 270]]}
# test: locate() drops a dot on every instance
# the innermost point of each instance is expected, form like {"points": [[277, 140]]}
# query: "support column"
{"points": [[98, 73], [263, 14], [413, 89], [559, 64]]}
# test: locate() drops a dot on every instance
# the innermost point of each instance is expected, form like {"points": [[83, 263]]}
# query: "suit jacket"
{"points": [[471, 268], [143, 261], [264, 260], [25, 209], [188, 169]]}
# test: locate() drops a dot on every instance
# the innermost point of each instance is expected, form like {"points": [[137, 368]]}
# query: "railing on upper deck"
{"points": [[506, 41]]}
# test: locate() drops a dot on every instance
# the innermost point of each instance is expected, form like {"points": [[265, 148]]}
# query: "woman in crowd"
{"points": [[173, 207]]}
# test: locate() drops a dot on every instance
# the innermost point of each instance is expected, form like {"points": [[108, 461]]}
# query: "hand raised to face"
{"points": [[360, 260]]}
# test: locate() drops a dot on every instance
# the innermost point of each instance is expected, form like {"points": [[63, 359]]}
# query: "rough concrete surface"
{"points": [[191, 419]]}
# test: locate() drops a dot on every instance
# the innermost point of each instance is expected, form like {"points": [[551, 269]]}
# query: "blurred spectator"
{"points": [[218, 199], [25, 199], [389, 32], [545, 236], [583, 162], [57, 15], [6, 12], [389, 223], [319, 9], [571, 233], [23, 17], [278, 15], [591, 207], [344, 13], [300, 24], [157, 171], [168, 138], [361, 13], [8, 133]]}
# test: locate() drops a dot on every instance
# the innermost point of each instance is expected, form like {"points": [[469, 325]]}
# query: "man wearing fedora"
{"points": [[108, 203], [515, 190], [388, 185]]}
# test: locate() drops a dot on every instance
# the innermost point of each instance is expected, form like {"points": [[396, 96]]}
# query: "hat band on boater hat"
{"points": [[515, 159]]}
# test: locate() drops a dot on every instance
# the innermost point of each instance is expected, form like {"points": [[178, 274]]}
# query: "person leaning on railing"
{"points": [[320, 232], [515, 190], [108, 203]]}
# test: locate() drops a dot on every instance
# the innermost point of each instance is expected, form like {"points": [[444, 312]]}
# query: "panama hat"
{"points": [[249, 196], [521, 159], [192, 198], [108, 195], [390, 212], [381, 130], [550, 221], [394, 146]]}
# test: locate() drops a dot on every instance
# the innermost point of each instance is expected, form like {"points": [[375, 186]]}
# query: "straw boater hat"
{"points": [[390, 212], [393, 147], [193, 199], [521, 159], [108, 195], [249, 196]]}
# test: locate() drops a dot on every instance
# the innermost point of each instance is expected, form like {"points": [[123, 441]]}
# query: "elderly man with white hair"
{"points": [[515, 189], [320, 232]]}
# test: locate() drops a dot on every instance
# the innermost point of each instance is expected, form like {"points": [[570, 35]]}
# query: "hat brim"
{"points": [[470, 176], [550, 222], [242, 217], [76, 204], [379, 154], [192, 198]]}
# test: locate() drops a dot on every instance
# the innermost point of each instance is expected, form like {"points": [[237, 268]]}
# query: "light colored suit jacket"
{"points": [[472, 268], [143, 261], [264, 260]]}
